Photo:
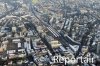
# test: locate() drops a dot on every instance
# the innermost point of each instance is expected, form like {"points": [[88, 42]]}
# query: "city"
{"points": [[49, 33]]}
